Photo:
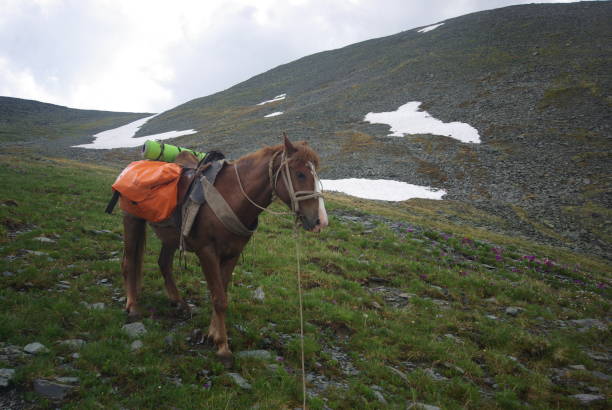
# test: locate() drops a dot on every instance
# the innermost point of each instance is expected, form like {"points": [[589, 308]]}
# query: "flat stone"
{"points": [[52, 390], [35, 348], [240, 381], [68, 380], [169, 339], [587, 399], [601, 357], [6, 375], [421, 406], [136, 345], [73, 343], [44, 239], [492, 317], [256, 354], [7, 274], [586, 324], [97, 306], [513, 310], [135, 329], [576, 367], [601, 376]]}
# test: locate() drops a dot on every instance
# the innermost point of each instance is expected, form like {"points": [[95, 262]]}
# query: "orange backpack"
{"points": [[149, 189]]}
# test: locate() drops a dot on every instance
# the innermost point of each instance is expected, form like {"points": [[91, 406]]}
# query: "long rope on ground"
{"points": [[299, 280]]}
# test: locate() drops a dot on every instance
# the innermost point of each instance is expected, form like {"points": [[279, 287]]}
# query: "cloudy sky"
{"points": [[132, 55]]}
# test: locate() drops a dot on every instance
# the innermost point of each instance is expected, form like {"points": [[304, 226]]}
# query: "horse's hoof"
{"points": [[133, 316], [227, 361]]}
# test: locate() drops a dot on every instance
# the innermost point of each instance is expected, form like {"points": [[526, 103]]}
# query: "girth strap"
{"points": [[223, 211]]}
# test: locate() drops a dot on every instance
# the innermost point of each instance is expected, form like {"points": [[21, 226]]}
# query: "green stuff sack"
{"points": [[158, 151]]}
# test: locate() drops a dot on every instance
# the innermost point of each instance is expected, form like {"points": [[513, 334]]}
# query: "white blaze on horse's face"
{"points": [[323, 221]]}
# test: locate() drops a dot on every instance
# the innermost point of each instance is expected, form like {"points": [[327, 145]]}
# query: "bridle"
{"points": [[283, 171]]}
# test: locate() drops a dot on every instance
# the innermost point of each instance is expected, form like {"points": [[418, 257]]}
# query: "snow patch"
{"points": [[409, 120], [122, 137], [274, 114], [381, 189], [429, 28], [277, 98]]}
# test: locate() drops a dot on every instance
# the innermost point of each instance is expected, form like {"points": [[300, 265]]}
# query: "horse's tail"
{"points": [[134, 240]]}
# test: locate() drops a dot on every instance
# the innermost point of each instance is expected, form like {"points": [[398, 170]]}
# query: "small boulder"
{"points": [[35, 348], [135, 329], [588, 399], [6, 375], [136, 345], [240, 381], [52, 390], [513, 310]]}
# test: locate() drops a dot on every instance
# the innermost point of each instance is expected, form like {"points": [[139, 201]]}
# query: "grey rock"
{"points": [[602, 357], [136, 345], [35, 348], [588, 399], [6, 375], [586, 324], [7, 274], [576, 367], [169, 339], [36, 253], [421, 406], [44, 239], [75, 356], [73, 343], [492, 317], [601, 376], [240, 381], [259, 294], [379, 396], [97, 306], [135, 329], [52, 390], [256, 354], [434, 375], [68, 380], [513, 310]]}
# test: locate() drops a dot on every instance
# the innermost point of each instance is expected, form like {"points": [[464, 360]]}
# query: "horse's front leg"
{"points": [[217, 331]]}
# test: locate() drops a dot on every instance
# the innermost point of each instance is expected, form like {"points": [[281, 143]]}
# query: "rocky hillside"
{"points": [[532, 79], [28, 120]]}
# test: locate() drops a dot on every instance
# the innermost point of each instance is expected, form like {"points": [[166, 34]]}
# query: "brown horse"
{"points": [[248, 186]]}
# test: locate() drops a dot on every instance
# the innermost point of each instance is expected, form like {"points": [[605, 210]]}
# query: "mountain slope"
{"points": [[533, 79], [26, 120]]}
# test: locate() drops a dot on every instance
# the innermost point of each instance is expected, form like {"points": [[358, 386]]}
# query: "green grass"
{"points": [[452, 271]]}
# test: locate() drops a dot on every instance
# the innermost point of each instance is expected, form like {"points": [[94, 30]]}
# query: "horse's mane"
{"points": [[304, 153]]}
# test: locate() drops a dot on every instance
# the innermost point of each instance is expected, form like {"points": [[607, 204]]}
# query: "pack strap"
{"points": [[112, 202]]}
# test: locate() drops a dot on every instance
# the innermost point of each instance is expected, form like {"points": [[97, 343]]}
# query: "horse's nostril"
{"points": [[318, 222]]}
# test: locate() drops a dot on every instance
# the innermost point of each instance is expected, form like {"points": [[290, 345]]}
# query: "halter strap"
{"points": [[283, 170]]}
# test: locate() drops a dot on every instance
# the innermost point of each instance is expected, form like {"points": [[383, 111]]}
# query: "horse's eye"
{"points": [[301, 176]]}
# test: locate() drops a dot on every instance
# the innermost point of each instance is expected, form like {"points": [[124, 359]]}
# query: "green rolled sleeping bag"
{"points": [[158, 151]]}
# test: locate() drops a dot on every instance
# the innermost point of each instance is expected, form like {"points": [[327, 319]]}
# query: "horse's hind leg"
{"points": [[134, 238], [166, 257]]}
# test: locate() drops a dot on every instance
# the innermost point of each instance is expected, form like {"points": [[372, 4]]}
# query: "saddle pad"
{"points": [[149, 189]]}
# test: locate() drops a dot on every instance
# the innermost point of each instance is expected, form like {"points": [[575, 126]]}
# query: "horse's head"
{"points": [[298, 185]]}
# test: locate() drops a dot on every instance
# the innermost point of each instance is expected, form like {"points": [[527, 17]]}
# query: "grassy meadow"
{"points": [[400, 306]]}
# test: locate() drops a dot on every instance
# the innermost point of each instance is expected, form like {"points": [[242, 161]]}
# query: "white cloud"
{"points": [[152, 55]]}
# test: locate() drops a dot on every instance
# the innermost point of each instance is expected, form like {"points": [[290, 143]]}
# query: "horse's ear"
{"points": [[289, 148]]}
